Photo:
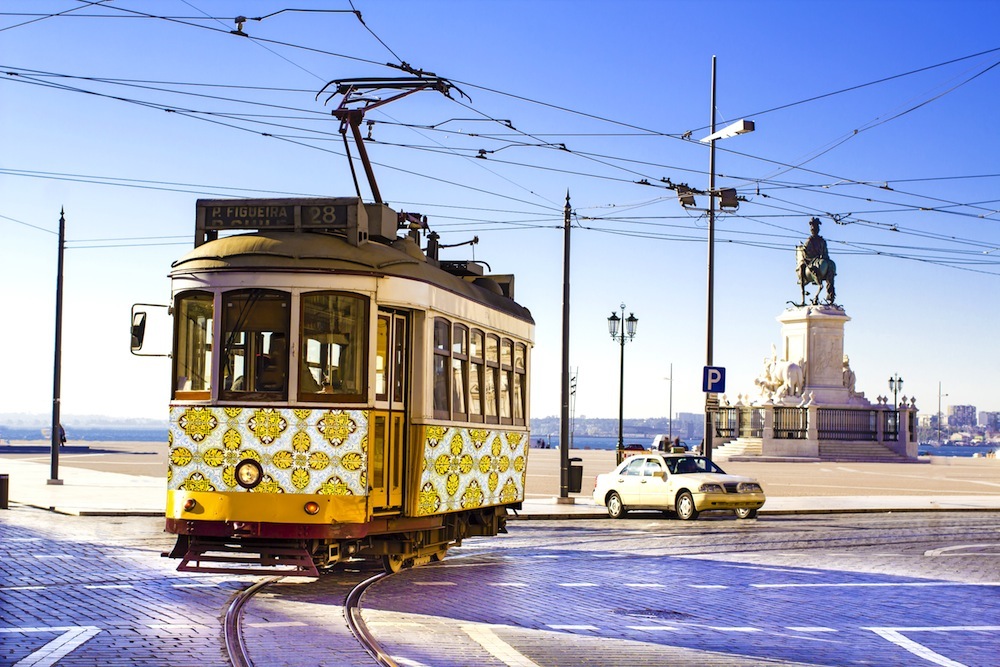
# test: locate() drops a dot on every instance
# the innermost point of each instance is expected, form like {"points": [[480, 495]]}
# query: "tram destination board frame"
{"points": [[348, 215]]}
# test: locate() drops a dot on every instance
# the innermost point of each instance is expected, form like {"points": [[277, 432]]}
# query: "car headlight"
{"points": [[248, 473], [749, 487], [711, 487]]}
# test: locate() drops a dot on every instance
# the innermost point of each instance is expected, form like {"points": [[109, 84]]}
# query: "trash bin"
{"points": [[575, 475], [4, 491]]}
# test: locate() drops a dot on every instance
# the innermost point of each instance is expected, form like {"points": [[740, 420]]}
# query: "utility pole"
{"points": [[710, 401], [564, 416], [57, 365]]}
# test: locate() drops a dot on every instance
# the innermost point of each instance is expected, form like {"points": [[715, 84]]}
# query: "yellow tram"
{"points": [[337, 391]]}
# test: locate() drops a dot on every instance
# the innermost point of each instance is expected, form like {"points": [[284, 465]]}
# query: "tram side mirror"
{"points": [[138, 330], [156, 330]]}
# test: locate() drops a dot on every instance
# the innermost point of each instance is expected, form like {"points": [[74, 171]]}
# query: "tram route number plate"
{"points": [[274, 215]]}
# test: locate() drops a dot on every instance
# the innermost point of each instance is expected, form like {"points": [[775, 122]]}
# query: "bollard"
{"points": [[4, 491]]}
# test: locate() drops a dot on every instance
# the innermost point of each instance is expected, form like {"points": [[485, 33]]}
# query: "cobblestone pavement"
{"points": [[300, 621], [885, 589], [95, 591], [922, 589]]}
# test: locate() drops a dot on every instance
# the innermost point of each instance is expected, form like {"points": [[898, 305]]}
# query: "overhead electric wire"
{"points": [[42, 17], [564, 109]]}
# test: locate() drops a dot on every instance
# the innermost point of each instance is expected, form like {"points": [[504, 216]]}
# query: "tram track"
{"points": [[238, 650]]}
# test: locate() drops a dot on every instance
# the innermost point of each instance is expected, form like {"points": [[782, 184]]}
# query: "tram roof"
{"points": [[322, 252]]}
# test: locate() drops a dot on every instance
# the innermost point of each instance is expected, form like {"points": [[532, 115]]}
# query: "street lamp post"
{"points": [[739, 127], [939, 413], [620, 335], [670, 409]]}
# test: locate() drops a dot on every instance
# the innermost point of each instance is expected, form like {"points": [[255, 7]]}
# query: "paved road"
{"points": [[887, 589]]}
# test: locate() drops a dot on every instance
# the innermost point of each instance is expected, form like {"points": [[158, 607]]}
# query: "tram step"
{"points": [[261, 559]]}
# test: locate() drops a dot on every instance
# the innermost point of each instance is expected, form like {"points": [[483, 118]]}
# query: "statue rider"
{"points": [[816, 265]]}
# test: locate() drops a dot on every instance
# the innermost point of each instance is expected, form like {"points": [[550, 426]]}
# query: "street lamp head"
{"points": [[630, 325], [613, 322], [739, 127]]}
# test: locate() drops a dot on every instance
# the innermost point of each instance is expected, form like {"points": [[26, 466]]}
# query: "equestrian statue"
{"points": [[814, 266]]}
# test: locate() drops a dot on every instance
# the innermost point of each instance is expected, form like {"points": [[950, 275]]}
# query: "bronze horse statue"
{"points": [[815, 271]]}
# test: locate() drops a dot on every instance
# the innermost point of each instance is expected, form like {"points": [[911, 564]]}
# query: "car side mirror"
{"points": [[662, 475]]}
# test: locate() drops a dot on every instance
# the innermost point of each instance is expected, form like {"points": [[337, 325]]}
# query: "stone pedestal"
{"points": [[813, 337]]}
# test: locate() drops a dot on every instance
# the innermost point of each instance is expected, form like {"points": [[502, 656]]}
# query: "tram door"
{"points": [[386, 444]]}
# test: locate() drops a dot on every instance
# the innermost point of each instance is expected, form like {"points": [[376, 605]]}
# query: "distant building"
{"points": [[689, 425], [961, 415], [990, 420]]}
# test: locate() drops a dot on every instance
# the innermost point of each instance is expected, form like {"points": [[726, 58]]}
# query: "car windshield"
{"points": [[683, 465]]}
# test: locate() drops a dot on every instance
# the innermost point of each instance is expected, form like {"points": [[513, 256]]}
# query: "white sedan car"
{"points": [[683, 483]]}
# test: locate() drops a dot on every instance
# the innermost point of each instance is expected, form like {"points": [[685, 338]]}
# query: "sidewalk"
{"points": [[84, 492], [96, 493]]}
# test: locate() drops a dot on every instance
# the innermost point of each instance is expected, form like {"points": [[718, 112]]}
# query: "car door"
{"points": [[629, 481], [653, 488]]}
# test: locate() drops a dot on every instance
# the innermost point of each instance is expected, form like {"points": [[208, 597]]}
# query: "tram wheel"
{"points": [[393, 563]]}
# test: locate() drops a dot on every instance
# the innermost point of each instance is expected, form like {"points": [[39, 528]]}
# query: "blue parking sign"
{"points": [[714, 380]]}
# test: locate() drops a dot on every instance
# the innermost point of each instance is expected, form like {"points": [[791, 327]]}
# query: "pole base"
{"points": [[54, 482], [565, 501]]}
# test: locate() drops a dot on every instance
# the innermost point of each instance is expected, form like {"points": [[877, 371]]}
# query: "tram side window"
{"points": [[382, 358], [442, 352], [254, 358], [475, 375], [520, 376], [333, 348], [506, 371], [459, 370], [490, 393], [193, 345]]}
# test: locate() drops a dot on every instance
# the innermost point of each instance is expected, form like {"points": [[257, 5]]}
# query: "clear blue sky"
{"points": [[878, 114]]}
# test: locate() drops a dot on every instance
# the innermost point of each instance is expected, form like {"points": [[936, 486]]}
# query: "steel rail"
{"points": [[352, 612], [232, 628]]}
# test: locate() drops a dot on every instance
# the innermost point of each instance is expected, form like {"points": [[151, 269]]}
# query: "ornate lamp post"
{"points": [[895, 386], [620, 336]]}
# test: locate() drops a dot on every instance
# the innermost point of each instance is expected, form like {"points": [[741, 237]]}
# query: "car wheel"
{"points": [[685, 507], [616, 509], [746, 513]]}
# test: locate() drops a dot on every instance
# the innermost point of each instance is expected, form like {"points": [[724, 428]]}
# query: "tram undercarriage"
{"points": [[296, 550]]}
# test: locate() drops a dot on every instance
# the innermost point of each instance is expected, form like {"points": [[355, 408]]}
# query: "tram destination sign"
{"points": [[327, 214]]}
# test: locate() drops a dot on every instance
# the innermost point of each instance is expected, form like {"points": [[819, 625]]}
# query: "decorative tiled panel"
{"points": [[466, 468], [301, 451]]}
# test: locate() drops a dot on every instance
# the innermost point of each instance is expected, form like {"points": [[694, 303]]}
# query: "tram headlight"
{"points": [[248, 473], [190, 504], [311, 507]]}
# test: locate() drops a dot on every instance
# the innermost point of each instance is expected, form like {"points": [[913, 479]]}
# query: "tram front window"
{"points": [[193, 346], [255, 334], [333, 348]]}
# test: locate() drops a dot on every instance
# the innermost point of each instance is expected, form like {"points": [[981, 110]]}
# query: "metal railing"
{"points": [[726, 423], [751, 422], [890, 425], [847, 424], [791, 423]]}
